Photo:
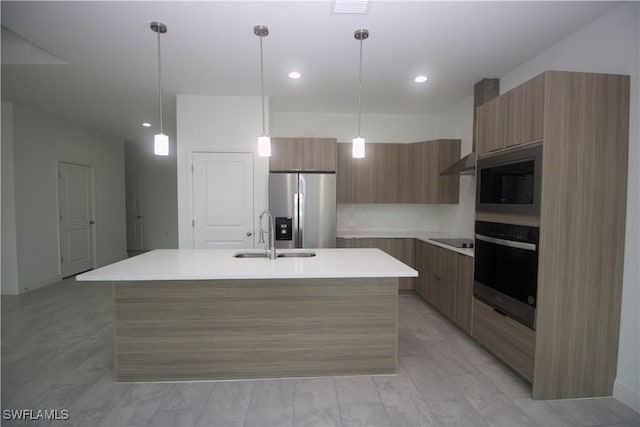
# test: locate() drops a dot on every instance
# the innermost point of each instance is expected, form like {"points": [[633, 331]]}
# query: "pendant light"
{"points": [[160, 140], [264, 141], [357, 144]]}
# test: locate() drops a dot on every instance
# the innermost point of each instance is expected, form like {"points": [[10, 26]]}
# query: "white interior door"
{"points": [[222, 200], [75, 201], [135, 218]]}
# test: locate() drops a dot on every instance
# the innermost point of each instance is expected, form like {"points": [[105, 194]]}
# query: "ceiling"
{"points": [[95, 63]]}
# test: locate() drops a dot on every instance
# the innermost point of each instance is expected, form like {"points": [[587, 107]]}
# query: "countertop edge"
{"points": [[424, 236]]}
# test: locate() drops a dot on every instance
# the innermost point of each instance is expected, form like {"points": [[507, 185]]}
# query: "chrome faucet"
{"points": [[272, 234]]}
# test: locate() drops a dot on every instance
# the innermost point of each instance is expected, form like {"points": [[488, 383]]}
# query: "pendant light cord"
{"points": [[360, 88], [262, 85], [160, 78]]}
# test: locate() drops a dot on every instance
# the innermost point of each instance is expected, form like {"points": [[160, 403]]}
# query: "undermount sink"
{"points": [[296, 254], [280, 255], [251, 255]]}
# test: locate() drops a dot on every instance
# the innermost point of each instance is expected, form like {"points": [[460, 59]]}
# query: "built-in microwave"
{"points": [[509, 181]]}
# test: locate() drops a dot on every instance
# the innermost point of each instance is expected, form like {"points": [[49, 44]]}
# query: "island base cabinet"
{"points": [[508, 340], [234, 329]]}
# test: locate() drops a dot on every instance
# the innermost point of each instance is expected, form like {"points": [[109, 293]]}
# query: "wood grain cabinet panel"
{"points": [[509, 340], [401, 249], [525, 113], [446, 282], [491, 125], [303, 154], [583, 122], [463, 310], [399, 173]]}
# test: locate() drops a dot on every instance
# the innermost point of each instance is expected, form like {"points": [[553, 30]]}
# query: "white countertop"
{"points": [[212, 264], [425, 236]]}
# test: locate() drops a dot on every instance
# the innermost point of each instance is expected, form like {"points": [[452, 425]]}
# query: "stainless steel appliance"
{"points": [[506, 269], [509, 182], [304, 208]]}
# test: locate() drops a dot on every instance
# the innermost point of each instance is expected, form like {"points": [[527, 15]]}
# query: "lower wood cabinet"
{"points": [[507, 339], [401, 249], [446, 282]]}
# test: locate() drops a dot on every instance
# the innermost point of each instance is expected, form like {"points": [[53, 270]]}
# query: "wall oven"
{"points": [[506, 269], [509, 182]]}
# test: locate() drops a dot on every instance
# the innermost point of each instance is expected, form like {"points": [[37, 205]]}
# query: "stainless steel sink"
{"points": [[251, 255], [296, 254]]}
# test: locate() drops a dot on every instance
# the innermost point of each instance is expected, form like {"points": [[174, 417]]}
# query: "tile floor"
{"points": [[57, 354]]}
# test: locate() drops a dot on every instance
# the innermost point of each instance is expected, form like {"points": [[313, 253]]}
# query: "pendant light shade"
{"points": [[357, 144], [264, 141], [160, 144], [160, 140]]}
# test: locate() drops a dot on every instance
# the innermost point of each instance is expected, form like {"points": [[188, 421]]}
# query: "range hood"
{"points": [[464, 166], [483, 91]]}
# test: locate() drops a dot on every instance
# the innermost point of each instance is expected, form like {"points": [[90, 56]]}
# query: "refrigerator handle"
{"points": [[301, 213]]}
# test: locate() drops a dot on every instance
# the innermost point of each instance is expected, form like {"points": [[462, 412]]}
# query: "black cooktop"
{"points": [[456, 243]]}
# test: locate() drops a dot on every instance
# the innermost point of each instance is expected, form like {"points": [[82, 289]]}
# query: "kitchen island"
{"points": [[204, 314]]}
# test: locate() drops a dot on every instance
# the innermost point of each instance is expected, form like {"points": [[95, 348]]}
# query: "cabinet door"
{"points": [[380, 177], [303, 154], [422, 172], [464, 293], [320, 154], [445, 281], [448, 185], [491, 125], [421, 259], [525, 105], [287, 154]]}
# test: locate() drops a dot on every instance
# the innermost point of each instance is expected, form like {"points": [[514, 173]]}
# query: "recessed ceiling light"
{"points": [[295, 75], [147, 125], [420, 79]]}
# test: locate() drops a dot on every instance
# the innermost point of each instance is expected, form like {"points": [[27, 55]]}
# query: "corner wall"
{"points": [[40, 141], [159, 193]]}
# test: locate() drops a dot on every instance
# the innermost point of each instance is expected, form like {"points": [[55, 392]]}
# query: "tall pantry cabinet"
{"points": [[582, 121]]}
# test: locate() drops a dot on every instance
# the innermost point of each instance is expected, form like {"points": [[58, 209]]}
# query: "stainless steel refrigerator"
{"points": [[304, 209]]}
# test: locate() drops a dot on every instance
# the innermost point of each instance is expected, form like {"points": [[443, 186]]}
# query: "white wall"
{"points": [[222, 124], [377, 128], [159, 193], [40, 141], [9, 278], [457, 123], [608, 45]]}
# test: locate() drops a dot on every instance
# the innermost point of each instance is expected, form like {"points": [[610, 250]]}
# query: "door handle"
{"points": [[139, 216], [249, 234], [92, 222]]}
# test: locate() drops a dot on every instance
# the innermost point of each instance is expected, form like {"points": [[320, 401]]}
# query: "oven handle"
{"points": [[509, 243]]}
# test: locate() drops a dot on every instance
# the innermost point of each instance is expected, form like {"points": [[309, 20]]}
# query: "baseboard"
{"points": [[624, 394], [40, 283], [9, 289]]}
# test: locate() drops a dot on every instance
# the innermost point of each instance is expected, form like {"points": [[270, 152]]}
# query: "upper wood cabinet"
{"points": [[303, 154], [514, 118], [379, 177], [399, 173]]}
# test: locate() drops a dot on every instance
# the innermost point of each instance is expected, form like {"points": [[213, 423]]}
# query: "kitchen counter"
{"points": [[185, 315], [216, 264], [425, 236]]}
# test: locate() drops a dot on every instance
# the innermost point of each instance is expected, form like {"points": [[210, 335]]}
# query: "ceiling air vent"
{"points": [[351, 6]]}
